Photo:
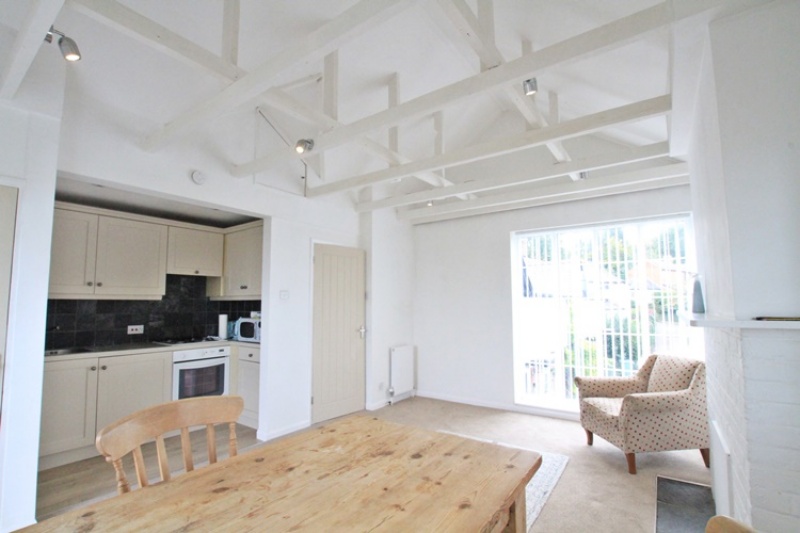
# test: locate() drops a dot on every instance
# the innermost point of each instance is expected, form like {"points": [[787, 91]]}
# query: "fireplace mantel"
{"points": [[711, 321]]}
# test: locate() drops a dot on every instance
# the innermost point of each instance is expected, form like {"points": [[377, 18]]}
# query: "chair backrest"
{"points": [[128, 434], [671, 373]]}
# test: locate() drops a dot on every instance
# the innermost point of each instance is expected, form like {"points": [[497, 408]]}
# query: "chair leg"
{"points": [[631, 457], [589, 437], [706, 458]]}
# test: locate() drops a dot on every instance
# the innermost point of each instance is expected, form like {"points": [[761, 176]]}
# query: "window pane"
{"points": [[597, 302]]}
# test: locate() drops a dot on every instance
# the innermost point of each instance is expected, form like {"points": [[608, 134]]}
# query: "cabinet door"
{"points": [[194, 252], [128, 383], [131, 258], [68, 405], [243, 262], [249, 379], [72, 258]]}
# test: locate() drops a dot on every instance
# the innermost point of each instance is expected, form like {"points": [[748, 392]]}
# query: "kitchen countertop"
{"points": [[142, 347]]}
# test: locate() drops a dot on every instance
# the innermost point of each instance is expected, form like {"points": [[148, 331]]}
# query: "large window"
{"points": [[596, 302]]}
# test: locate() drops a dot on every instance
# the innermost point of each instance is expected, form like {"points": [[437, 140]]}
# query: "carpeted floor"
{"points": [[595, 492]]}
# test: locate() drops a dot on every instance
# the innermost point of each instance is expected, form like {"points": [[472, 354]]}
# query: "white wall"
{"points": [[462, 302], [285, 403], [29, 137], [756, 56], [744, 163], [390, 272]]}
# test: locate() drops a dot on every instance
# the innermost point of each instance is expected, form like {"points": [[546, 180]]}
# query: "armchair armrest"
{"points": [[657, 402], [591, 387]]}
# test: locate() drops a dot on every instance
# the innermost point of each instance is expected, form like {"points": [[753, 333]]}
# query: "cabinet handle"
{"points": [[249, 355], [89, 283], [99, 283], [242, 286], [104, 367], [93, 368], [196, 271]]}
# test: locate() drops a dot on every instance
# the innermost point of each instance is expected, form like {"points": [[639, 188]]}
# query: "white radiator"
{"points": [[401, 373]]}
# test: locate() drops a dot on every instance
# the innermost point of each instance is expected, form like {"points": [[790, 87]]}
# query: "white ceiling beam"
{"points": [[40, 16], [523, 176], [573, 128], [466, 24], [557, 189], [143, 29], [330, 99], [554, 194], [393, 96], [230, 31], [332, 35], [286, 103], [593, 42]]}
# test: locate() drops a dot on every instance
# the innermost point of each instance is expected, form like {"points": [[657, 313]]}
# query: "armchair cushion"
{"points": [[671, 374]]}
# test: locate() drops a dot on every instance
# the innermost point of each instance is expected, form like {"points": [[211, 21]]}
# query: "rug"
{"points": [[682, 506], [543, 482]]}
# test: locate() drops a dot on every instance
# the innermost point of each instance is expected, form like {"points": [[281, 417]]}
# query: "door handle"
{"points": [[362, 331]]}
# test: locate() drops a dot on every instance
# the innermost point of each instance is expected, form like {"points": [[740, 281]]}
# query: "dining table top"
{"points": [[357, 473]]}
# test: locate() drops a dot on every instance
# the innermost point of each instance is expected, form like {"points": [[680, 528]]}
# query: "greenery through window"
{"points": [[597, 301]]}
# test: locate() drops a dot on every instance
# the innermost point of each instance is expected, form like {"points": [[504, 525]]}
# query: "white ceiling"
{"points": [[457, 65]]}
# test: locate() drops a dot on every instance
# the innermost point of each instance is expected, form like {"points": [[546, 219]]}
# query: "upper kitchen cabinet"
{"points": [[241, 276], [195, 252], [102, 257]]}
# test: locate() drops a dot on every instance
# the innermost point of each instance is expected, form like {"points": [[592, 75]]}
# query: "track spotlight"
{"points": [[69, 49], [304, 145], [530, 87]]}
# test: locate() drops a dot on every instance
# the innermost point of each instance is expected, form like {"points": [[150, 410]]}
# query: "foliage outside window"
{"points": [[597, 301]]}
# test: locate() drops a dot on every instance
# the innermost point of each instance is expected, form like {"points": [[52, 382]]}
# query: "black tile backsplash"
{"points": [[184, 312]]}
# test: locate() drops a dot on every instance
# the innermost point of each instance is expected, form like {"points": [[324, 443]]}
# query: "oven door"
{"points": [[202, 377]]}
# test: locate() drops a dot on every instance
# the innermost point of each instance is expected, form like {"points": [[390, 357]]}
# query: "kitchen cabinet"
{"points": [[69, 405], [95, 256], [194, 252], [128, 383], [241, 276], [82, 396], [248, 384]]}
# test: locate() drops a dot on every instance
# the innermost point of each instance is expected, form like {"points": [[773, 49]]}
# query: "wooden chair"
{"points": [[725, 524], [128, 434]]}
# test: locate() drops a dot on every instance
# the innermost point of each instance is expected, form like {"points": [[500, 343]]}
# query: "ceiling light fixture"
{"points": [[304, 145], [530, 86], [69, 49]]}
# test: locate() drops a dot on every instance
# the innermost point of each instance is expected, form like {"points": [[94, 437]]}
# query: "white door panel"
{"points": [[339, 340]]}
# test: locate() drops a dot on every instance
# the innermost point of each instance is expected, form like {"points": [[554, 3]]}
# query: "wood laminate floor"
{"points": [[65, 487]]}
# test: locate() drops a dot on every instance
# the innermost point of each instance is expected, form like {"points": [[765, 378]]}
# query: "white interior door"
{"points": [[8, 218], [339, 332]]}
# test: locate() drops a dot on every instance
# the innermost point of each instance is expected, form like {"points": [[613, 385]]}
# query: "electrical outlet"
{"points": [[135, 330]]}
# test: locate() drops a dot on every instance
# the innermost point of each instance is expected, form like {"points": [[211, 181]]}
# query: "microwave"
{"points": [[247, 329]]}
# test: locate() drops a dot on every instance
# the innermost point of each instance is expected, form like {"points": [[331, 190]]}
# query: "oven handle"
{"points": [[200, 363]]}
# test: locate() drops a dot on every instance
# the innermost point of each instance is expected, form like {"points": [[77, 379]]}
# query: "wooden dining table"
{"points": [[357, 473]]}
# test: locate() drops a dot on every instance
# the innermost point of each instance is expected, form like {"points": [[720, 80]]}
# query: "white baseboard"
{"points": [[538, 411]]}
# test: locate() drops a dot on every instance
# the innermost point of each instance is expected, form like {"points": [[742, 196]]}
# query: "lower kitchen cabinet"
{"points": [[128, 383], [248, 384], [81, 396], [69, 405]]}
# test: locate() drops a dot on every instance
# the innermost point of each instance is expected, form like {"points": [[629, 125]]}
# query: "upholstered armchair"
{"points": [[662, 407]]}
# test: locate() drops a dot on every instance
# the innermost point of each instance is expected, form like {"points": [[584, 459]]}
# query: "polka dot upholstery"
{"points": [[662, 407]]}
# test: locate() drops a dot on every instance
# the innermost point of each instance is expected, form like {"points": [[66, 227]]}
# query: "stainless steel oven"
{"points": [[201, 372]]}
